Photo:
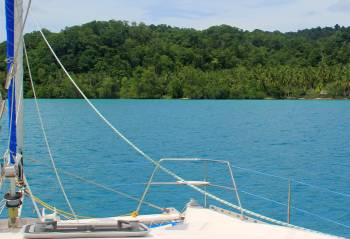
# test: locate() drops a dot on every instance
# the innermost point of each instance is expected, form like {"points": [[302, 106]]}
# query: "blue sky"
{"points": [[283, 15]]}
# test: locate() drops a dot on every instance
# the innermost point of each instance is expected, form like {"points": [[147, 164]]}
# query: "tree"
{"points": [[117, 59]]}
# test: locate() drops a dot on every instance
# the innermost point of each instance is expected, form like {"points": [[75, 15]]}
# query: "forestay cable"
{"points": [[45, 136], [117, 132]]}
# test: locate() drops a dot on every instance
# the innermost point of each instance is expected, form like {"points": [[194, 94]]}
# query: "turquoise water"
{"points": [[300, 140]]}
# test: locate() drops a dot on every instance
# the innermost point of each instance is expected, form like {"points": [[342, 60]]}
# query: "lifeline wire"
{"points": [[89, 181], [45, 137], [283, 204], [293, 180], [262, 217]]}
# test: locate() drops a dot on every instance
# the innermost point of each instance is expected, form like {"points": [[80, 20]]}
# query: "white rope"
{"points": [[9, 77], [10, 74], [45, 136], [32, 197], [117, 132], [2, 205]]}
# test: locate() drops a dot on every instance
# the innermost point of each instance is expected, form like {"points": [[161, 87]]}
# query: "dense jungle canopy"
{"points": [[117, 59]]}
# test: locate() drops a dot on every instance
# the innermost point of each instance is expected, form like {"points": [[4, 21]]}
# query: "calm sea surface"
{"points": [[308, 141]]}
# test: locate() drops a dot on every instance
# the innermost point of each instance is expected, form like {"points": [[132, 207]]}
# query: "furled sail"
{"points": [[14, 21]]}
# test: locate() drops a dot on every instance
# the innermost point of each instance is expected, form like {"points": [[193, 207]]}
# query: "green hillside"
{"points": [[117, 59]]}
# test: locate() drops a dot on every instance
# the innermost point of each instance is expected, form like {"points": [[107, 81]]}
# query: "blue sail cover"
{"points": [[10, 30]]}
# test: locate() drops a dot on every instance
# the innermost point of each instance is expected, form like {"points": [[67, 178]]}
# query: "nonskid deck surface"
{"points": [[203, 223]]}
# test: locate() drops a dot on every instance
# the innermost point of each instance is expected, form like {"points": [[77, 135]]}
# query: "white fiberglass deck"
{"points": [[205, 223], [201, 223]]}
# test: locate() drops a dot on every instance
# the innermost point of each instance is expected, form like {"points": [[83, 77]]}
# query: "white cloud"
{"points": [[283, 15]]}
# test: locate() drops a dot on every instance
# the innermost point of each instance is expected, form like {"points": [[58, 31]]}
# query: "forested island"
{"points": [[117, 59]]}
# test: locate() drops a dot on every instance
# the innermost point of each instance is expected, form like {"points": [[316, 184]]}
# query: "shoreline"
{"points": [[190, 99]]}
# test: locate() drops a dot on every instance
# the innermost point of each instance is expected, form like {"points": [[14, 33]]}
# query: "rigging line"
{"points": [[9, 76], [224, 202], [2, 208], [221, 186], [113, 190], [11, 112], [44, 134], [32, 196], [293, 180], [344, 215], [283, 204], [19, 105], [148, 157], [298, 209], [105, 187], [2, 181], [54, 209], [2, 203]]}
